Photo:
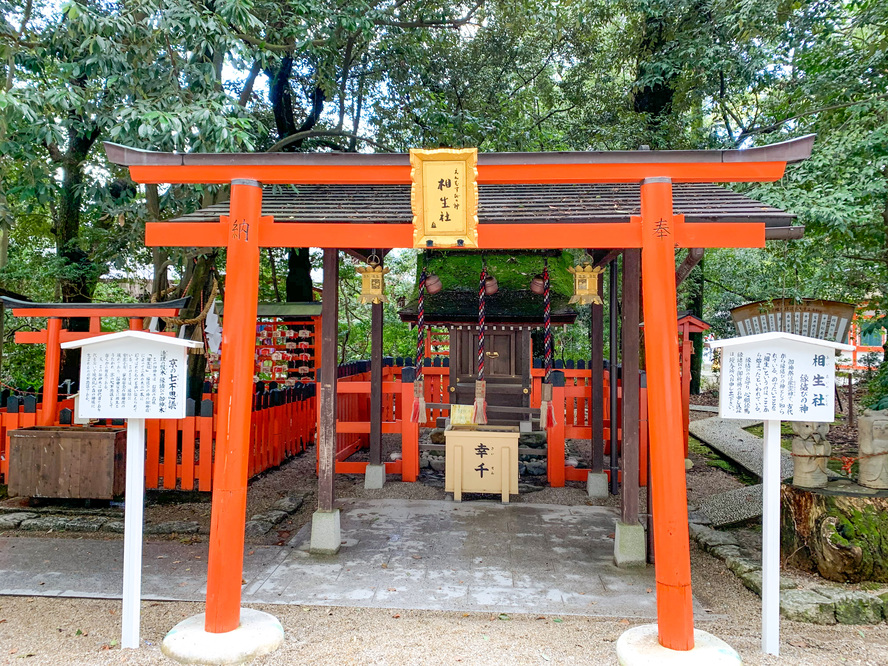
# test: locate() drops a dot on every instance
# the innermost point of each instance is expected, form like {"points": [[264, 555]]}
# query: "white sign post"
{"points": [[776, 377], [132, 375]]}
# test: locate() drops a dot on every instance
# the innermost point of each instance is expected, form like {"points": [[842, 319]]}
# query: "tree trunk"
{"points": [[299, 286], [79, 277], [840, 535], [198, 282]]}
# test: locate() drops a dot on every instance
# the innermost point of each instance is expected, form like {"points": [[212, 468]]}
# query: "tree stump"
{"points": [[839, 532]]}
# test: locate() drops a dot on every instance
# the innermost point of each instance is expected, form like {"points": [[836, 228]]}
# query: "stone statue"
{"points": [[810, 450], [872, 447]]}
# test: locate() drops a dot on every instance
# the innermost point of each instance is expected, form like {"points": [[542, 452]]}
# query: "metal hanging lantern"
{"points": [[585, 284], [373, 282]]}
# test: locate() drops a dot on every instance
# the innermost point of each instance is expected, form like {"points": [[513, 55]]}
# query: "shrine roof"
{"points": [[793, 150], [500, 204]]}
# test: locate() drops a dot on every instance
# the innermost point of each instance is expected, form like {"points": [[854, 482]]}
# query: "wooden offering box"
{"points": [[481, 459], [70, 462]]}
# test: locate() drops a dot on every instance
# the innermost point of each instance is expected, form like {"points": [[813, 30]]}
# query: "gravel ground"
{"points": [[81, 631]]}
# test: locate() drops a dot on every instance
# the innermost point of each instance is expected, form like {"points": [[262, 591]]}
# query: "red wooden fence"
{"points": [[179, 452]]}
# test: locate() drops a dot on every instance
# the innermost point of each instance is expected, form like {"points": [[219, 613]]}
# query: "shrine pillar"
{"points": [[226, 556], [668, 486], [51, 365]]}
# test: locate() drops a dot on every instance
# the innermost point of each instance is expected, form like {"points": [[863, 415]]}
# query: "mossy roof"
{"points": [[507, 306]]}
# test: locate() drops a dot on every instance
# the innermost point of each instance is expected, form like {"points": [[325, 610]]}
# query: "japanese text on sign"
{"points": [[118, 383], [786, 381]]}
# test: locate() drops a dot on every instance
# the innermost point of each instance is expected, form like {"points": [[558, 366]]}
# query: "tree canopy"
{"points": [[387, 75]]}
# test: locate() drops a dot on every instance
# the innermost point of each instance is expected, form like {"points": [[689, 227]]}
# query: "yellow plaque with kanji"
{"points": [[444, 197]]}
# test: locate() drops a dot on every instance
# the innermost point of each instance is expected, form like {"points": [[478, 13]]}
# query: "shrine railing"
{"points": [[179, 452]]}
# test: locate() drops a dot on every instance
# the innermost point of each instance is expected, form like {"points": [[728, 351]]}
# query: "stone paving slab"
{"points": [[728, 437], [437, 555], [733, 507]]}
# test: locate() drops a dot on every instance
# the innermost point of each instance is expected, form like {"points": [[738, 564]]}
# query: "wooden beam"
{"points": [[225, 561], [630, 453], [606, 259], [694, 256], [311, 174], [614, 321], [327, 397], [675, 617]]}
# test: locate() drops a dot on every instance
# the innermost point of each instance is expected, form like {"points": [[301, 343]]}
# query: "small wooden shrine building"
{"points": [[638, 204]]}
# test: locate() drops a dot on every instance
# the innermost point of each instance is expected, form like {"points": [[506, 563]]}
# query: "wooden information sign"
{"points": [[481, 460], [444, 197], [774, 377], [132, 375]]}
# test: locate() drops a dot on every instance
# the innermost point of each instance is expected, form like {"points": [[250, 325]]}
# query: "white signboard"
{"points": [[782, 379], [133, 375], [776, 377]]}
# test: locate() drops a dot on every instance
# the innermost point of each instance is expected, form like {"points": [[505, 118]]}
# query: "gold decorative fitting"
{"points": [[444, 198], [585, 284], [373, 284]]}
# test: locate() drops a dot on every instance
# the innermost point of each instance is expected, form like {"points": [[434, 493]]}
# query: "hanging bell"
{"points": [[585, 284], [538, 285], [433, 284], [490, 285]]}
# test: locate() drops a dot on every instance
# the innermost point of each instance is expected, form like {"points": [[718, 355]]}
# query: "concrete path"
{"points": [[438, 555]]}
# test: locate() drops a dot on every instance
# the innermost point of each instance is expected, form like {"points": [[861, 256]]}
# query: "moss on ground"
{"points": [[713, 459]]}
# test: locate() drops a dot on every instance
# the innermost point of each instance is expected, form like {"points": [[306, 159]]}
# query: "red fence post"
{"points": [[555, 433], [409, 431]]}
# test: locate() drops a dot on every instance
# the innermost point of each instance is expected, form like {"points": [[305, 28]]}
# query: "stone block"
{"points": [[326, 533], [740, 565], [724, 552], [753, 581], [853, 607], [44, 524], [85, 523], [807, 606], [374, 477], [290, 504], [253, 529], [437, 437], [630, 545], [10, 521], [596, 485]]}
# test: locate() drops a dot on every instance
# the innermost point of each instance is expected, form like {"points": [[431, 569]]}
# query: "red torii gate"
{"points": [[657, 232], [53, 335]]}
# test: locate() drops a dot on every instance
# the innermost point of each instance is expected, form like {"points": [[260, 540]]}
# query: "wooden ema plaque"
{"points": [[444, 198]]}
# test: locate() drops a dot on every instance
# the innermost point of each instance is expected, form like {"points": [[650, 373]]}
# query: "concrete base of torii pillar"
{"points": [[257, 634], [639, 646]]}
